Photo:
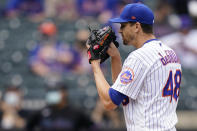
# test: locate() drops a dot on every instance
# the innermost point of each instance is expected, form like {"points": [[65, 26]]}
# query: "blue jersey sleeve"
{"points": [[116, 96]]}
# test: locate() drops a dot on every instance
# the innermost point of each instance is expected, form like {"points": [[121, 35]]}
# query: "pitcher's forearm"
{"points": [[102, 87]]}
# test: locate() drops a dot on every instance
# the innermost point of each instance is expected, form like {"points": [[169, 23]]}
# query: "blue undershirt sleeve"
{"points": [[116, 96]]}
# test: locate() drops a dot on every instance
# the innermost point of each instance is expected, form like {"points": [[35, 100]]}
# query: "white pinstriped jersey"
{"points": [[150, 77]]}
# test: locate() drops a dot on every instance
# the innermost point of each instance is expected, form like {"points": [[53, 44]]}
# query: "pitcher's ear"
{"points": [[137, 27]]}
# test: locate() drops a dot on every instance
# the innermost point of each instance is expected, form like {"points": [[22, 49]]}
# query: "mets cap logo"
{"points": [[126, 76]]}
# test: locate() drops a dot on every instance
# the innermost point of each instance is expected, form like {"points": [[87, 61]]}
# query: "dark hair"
{"points": [[145, 27]]}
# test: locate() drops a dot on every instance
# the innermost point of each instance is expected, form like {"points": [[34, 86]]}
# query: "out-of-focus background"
{"points": [[46, 82]]}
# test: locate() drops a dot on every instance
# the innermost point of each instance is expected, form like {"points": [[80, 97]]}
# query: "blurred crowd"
{"points": [[51, 59], [58, 114]]}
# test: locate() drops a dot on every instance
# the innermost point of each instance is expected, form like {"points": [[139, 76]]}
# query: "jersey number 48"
{"points": [[172, 87]]}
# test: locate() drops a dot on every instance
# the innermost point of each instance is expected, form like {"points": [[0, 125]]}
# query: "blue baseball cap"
{"points": [[136, 12]]}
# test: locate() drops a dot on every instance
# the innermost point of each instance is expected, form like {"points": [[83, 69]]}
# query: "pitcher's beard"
{"points": [[125, 42], [128, 41]]}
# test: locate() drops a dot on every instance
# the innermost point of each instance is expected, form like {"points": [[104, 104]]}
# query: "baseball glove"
{"points": [[99, 41]]}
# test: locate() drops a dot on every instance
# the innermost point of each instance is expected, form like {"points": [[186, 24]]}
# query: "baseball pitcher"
{"points": [[147, 84]]}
